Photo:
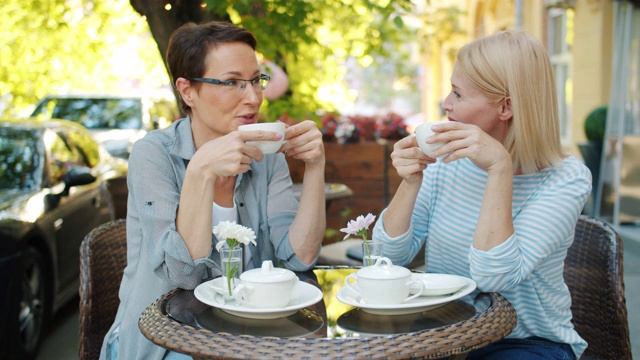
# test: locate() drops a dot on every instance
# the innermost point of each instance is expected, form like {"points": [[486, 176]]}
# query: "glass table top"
{"points": [[329, 318]]}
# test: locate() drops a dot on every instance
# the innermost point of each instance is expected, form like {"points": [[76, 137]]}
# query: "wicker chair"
{"points": [[103, 257], [593, 273]]}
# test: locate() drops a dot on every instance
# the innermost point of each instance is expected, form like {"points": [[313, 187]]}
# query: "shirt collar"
{"points": [[184, 145]]}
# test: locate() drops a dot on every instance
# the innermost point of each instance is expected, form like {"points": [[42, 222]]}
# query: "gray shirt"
{"points": [[157, 257]]}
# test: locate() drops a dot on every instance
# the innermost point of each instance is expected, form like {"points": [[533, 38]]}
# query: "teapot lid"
{"points": [[383, 271], [267, 274]]}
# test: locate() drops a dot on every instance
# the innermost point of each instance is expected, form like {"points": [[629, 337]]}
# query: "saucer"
{"points": [[442, 284], [304, 295], [422, 303]]}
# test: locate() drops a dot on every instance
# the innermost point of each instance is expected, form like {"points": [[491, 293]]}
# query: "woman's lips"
{"points": [[248, 119]]}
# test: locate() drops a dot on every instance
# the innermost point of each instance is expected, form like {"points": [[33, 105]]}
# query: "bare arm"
{"points": [[304, 142], [409, 162], [193, 221]]}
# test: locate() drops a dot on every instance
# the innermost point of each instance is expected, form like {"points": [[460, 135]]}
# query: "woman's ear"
{"points": [[504, 112], [184, 88]]}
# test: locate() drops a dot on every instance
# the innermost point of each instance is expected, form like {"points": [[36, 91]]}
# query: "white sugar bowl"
{"points": [[266, 287], [384, 283]]}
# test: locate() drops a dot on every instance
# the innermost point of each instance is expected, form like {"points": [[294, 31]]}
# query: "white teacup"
{"points": [[267, 147], [423, 131], [384, 283], [267, 287]]}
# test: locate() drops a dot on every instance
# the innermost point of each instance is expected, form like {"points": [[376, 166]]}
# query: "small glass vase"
{"points": [[371, 251], [232, 261]]}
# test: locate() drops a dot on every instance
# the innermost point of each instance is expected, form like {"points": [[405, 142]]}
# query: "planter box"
{"points": [[366, 169]]}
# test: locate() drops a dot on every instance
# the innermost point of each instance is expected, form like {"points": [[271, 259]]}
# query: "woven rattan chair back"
{"points": [[103, 257], [593, 273]]}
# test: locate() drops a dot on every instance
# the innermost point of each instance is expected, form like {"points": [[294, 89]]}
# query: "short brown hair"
{"points": [[190, 43]]}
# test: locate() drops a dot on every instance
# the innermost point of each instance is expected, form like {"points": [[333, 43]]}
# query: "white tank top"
{"points": [[230, 214]]}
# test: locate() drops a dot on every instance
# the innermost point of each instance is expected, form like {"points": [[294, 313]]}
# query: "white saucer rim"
{"points": [[302, 287], [427, 302], [440, 290]]}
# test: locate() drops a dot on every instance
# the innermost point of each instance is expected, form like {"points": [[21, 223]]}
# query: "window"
{"points": [[560, 44], [86, 146], [62, 157], [19, 159]]}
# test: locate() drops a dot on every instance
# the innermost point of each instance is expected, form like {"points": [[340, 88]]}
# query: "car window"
{"points": [[95, 113], [20, 164], [62, 156], [85, 145]]}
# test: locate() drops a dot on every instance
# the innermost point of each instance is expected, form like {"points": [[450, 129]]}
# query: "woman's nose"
{"points": [[252, 95], [446, 104]]}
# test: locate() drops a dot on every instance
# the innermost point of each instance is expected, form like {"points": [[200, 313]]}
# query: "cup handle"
{"points": [[411, 284], [352, 285], [239, 293]]}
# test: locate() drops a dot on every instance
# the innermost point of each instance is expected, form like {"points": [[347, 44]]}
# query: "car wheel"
{"points": [[29, 308]]}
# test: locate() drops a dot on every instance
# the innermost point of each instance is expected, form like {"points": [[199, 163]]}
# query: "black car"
{"points": [[56, 184]]}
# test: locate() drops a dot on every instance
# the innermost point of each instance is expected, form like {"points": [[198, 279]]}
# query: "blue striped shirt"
{"points": [[527, 268]]}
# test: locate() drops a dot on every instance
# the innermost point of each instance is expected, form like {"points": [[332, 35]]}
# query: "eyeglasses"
{"points": [[258, 83]]}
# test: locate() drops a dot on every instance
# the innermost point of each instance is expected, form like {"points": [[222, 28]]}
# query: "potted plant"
{"points": [[594, 130]]}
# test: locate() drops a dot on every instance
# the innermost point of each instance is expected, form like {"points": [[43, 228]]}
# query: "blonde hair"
{"points": [[512, 64]]}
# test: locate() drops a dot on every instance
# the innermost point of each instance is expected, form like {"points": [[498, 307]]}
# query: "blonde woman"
{"points": [[502, 206]]}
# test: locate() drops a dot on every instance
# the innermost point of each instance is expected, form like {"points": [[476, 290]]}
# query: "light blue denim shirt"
{"points": [[157, 257]]}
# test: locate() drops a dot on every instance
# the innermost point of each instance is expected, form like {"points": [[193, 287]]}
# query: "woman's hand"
{"points": [[303, 141], [469, 141], [229, 155], [409, 160]]}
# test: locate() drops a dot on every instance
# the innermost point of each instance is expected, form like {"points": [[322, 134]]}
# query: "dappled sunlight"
{"points": [[332, 281]]}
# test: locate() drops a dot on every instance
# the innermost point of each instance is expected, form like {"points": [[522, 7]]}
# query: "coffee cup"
{"points": [[423, 131], [384, 283], [266, 287], [266, 146]]}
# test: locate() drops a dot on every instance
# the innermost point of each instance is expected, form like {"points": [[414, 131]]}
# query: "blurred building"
{"points": [[578, 34], [594, 46]]}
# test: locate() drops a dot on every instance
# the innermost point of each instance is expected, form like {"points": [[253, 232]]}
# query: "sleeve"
{"points": [[403, 248], [154, 188], [544, 225]]}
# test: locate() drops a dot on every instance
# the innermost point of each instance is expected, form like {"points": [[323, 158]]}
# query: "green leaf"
{"points": [[233, 272], [58, 46], [398, 21]]}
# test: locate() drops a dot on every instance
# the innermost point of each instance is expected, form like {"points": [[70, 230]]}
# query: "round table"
{"points": [[178, 321]]}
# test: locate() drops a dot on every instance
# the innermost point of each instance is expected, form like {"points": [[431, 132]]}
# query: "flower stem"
{"points": [[367, 257], [229, 274]]}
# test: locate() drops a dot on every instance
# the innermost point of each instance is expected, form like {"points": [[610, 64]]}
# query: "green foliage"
{"points": [[595, 124], [441, 24], [60, 46], [312, 40]]}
